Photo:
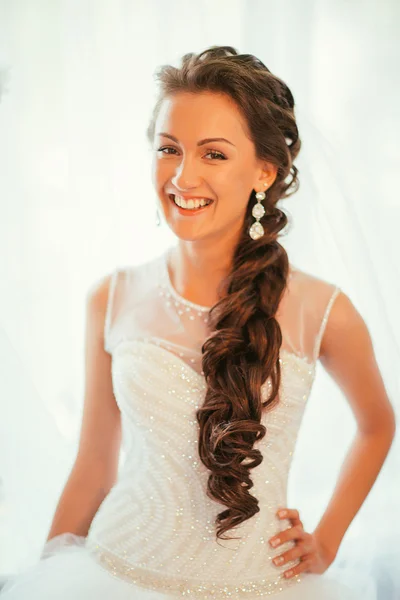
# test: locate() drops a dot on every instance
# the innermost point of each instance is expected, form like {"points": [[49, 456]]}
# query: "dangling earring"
{"points": [[158, 221], [257, 230]]}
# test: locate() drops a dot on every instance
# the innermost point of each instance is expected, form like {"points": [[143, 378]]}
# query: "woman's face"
{"points": [[184, 164]]}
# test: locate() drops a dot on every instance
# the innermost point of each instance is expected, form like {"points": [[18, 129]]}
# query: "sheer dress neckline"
{"points": [[181, 299], [144, 304], [174, 293]]}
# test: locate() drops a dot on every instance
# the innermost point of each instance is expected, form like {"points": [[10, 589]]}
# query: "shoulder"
{"points": [[101, 292], [311, 288], [314, 300], [324, 290], [346, 331], [98, 290], [99, 296], [342, 322]]}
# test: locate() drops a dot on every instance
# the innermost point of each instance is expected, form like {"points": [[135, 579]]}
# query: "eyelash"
{"points": [[219, 154]]}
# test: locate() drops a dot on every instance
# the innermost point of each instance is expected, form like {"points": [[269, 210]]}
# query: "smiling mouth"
{"points": [[189, 206]]}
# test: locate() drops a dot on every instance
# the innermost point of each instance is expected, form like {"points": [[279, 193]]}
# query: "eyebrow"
{"points": [[201, 142]]}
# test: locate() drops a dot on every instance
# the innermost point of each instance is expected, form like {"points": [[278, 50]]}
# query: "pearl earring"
{"points": [[257, 230]]}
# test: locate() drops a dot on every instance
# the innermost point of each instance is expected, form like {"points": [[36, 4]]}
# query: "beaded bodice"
{"points": [[156, 527]]}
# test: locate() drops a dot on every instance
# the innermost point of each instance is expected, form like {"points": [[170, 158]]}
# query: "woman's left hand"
{"points": [[313, 555]]}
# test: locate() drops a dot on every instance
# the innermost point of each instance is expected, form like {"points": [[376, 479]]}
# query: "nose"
{"points": [[185, 177]]}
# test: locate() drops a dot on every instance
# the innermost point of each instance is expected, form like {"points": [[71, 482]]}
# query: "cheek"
{"points": [[161, 170], [157, 172], [236, 188], [237, 176]]}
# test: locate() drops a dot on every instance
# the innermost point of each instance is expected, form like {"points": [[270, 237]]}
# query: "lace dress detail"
{"points": [[156, 527]]}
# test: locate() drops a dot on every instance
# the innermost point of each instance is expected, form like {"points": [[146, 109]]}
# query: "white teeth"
{"points": [[191, 204]]}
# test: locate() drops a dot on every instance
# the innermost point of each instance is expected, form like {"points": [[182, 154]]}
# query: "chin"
{"points": [[183, 234]]}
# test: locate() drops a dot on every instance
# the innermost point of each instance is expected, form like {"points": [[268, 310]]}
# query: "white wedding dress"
{"points": [[153, 537]]}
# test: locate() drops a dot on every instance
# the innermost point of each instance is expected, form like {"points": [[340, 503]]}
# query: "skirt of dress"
{"points": [[72, 573]]}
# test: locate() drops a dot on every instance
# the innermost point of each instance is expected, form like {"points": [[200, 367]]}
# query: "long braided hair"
{"points": [[243, 350]]}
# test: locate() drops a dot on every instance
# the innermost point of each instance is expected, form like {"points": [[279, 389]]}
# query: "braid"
{"points": [[237, 359]]}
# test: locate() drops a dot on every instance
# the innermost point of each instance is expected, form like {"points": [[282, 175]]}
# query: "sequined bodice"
{"points": [[157, 524]]}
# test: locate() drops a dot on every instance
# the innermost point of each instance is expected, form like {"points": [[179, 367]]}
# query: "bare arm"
{"points": [[96, 465], [347, 355]]}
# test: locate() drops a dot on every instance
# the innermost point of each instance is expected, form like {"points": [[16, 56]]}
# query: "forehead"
{"points": [[204, 114]]}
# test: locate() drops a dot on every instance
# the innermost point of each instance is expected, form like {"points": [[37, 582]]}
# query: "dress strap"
{"points": [[109, 309], [318, 339]]}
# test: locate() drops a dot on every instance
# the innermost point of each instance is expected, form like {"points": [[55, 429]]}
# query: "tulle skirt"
{"points": [[70, 572]]}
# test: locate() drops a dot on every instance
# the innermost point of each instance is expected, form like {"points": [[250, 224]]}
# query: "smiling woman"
{"points": [[203, 167], [204, 359]]}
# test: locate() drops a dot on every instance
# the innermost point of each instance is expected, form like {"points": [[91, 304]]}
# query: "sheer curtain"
{"points": [[76, 85]]}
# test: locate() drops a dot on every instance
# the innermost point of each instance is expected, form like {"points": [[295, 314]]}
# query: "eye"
{"points": [[218, 155], [215, 154], [165, 148]]}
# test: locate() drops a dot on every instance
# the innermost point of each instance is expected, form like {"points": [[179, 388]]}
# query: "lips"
{"points": [[189, 212], [210, 200]]}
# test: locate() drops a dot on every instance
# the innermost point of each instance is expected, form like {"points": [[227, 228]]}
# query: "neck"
{"points": [[198, 268]]}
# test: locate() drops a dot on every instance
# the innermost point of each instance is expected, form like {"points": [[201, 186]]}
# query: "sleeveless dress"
{"points": [[153, 537]]}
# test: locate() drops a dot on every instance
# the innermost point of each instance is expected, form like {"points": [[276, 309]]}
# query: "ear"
{"points": [[267, 175]]}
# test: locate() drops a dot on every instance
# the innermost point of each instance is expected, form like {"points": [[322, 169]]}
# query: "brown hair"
{"points": [[243, 350]]}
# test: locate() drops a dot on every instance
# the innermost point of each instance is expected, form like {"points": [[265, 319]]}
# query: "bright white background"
{"points": [[76, 200]]}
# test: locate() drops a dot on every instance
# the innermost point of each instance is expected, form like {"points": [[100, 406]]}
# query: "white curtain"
{"points": [[76, 88]]}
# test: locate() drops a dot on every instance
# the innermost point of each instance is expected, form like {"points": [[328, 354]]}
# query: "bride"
{"points": [[200, 363]]}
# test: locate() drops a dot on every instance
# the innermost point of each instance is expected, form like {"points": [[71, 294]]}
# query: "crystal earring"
{"points": [[257, 230], [158, 221]]}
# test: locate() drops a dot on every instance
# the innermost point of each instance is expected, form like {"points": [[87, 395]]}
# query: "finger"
{"points": [[288, 513], [299, 551], [291, 514], [303, 567], [298, 523], [292, 533]]}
